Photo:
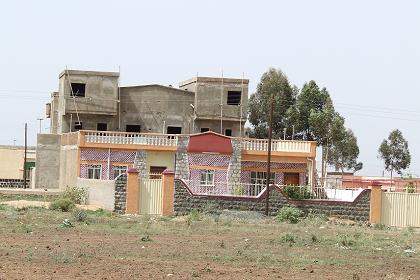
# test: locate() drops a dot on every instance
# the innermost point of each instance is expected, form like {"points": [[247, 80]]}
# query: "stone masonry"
{"points": [[234, 169], [120, 194], [358, 210], [140, 162], [182, 166]]}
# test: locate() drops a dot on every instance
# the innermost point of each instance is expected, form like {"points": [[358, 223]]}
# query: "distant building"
{"points": [[91, 100], [12, 166]]}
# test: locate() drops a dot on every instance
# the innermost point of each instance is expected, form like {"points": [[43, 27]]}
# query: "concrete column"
{"points": [[375, 203], [133, 191], [168, 192]]}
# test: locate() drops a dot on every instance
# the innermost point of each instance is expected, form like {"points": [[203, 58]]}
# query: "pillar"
{"points": [[133, 191], [375, 203], [168, 192]]}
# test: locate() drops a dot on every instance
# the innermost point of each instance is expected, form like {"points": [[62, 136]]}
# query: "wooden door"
{"points": [[291, 179]]}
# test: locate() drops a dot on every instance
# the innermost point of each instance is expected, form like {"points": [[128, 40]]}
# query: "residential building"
{"points": [[92, 100], [12, 166]]}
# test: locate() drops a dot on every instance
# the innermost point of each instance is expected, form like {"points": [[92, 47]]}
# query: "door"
{"points": [[291, 179], [150, 197]]}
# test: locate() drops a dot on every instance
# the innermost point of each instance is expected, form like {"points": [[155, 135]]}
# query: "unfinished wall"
{"points": [[100, 192], [48, 161], [68, 166], [11, 161]]}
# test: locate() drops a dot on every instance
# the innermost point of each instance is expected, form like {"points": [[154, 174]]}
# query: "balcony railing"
{"points": [[277, 145], [127, 138]]}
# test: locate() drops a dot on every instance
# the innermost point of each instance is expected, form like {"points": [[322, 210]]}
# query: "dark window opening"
{"points": [[156, 172], [234, 97], [102, 126], [78, 89], [228, 132], [204, 129], [132, 128], [78, 125], [173, 130]]}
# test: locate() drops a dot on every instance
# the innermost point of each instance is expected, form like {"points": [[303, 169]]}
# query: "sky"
{"points": [[366, 53]]}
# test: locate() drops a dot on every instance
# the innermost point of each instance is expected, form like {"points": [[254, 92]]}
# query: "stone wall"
{"points": [[181, 165], [185, 201], [120, 194], [14, 183], [140, 162], [234, 170]]}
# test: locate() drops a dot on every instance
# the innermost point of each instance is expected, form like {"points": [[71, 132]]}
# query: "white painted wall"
{"points": [[100, 192], [344, 195]]}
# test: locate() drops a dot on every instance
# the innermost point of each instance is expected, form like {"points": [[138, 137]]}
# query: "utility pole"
{"points": [[24, 158], [270, 131], [40, 124]]}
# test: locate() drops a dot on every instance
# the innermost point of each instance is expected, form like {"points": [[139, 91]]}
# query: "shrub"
{"points": [[297, 192], [289, 214], [288, 238], [410, 188], [63, 204], [80, 215], [76, 194]]}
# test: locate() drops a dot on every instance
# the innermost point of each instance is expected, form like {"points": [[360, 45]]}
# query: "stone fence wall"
{"points": [[14, 183], [120, 200], [185, 201]]}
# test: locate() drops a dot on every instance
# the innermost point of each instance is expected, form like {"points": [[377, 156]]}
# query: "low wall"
{"points": [[100, 192], [358, 210], [14, 183], [120, 195]]}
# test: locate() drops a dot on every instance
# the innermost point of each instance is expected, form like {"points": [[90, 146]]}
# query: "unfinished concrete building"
{"points": [[91, 100]]}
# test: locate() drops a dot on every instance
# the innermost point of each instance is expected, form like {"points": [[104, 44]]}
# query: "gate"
{"points": [[400, 209], [150, 201]]}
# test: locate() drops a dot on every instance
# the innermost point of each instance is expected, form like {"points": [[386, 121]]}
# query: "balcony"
{"points": [[279, 146], [128, 140]]}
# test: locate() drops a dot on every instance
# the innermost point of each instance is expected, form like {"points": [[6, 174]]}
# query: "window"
{"points": [[132, 128], [204, 129], [234, 97], [228, 132], [78, 89], [156, 171], [119, 169], [259, 179], [173, 130], [102, 126], [207, 178], [78, 125], [94, 171]]}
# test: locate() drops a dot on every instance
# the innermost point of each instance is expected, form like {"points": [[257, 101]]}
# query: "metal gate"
{"points": [[400, 209], [150, 197]]}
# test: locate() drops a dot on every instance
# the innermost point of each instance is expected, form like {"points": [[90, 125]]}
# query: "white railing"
{"points": [[306, 192], [276, 145], [131, 138], [225, 189]]}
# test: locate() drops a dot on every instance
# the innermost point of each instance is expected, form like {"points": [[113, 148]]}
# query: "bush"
{"points": [[297, 192], [80, 215], [289, 214], [63, 204], [76, 194]]}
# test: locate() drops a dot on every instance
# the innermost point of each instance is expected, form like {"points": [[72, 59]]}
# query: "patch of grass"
{"points": [[289, 214], [80, 215], [63, 204]]}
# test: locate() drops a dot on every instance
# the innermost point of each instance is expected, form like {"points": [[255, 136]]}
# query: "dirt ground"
{"points": [[35, 244]]}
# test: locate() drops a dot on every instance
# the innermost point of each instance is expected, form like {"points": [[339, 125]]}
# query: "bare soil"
{"points": [[34, 244]]}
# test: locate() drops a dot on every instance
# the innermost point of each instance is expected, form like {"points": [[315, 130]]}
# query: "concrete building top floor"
{"points": [[89, 73], [213, 80]]}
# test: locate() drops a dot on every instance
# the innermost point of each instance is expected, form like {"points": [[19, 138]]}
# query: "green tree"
{"points": [[394, 152], [273, 82], [310, 100], [344, 153], [328, 128]]}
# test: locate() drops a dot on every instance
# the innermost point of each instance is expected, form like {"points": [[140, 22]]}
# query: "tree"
{"points": [[394, 151], [344, 153], [273, 82], [310, 100], [327, 127]]}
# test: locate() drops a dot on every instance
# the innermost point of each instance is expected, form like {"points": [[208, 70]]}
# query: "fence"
{"points": [[225, 189], [400, 209]]}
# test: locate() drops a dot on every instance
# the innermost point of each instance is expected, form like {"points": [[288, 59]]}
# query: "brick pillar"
{"points": [[133, 191], [375, 203], [168, 191]]}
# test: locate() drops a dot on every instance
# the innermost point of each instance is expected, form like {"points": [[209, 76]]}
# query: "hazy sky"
{"points": [[367, 53]]}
